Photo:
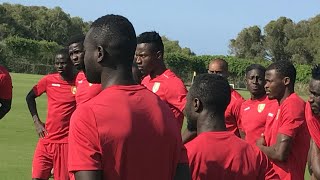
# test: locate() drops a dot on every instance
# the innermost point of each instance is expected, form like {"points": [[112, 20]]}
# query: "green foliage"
{"points": [[303, 73], [282, 39], [39, 23], [29, 56], [184, 66], [171, 46]]}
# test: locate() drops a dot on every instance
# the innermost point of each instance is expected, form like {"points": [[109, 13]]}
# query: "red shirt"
{"points": [[5, 84], [171, 90], [253, 117], [290, 121], [313, 123], [222, 155], [85, 90], [128, 133], [232, 113], [61, 104]]}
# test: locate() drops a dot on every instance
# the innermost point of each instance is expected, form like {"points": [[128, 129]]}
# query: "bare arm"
{"points": [[88, 175], [5, 107], [182, 172], [242, 134], [280, 151], [315, 160], [32, 105]]}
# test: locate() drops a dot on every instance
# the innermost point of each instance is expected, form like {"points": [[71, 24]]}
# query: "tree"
{"points": [[174, 47], [277, 39], [248, 44]]}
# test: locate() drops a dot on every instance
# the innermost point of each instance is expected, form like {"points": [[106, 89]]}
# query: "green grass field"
{"points": [[17, 135]]}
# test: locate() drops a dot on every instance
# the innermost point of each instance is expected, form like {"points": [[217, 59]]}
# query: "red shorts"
{"points": [[48, 156]]}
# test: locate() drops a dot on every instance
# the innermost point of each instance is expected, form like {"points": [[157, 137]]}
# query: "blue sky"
{"points": [[205, 26]]}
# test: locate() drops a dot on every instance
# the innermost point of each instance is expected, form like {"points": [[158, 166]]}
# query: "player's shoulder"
{"points": [[80, 75], [3, 70], [294, 101], [236, 95]]}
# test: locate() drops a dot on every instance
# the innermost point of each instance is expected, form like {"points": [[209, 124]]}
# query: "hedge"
{"points": [[184, 66], [30, 56]]}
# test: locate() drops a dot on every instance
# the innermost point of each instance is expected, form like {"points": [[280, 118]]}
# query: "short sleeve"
{"points": [[40, 87], [240, 114], [84, 145], [291, 118], [176, 95], [236, 111], [5, 86]]}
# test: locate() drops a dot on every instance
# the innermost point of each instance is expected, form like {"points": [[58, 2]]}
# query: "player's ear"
{"points": [[101, 54], [286, 81], [197, 105], [159, 55]]}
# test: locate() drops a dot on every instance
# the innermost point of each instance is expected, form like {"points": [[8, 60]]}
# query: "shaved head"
{"points": [[218, 66]]}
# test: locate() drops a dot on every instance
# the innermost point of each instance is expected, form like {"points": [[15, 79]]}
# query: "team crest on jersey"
{"points": [[156, 87], [73, 89], [261, 107]]}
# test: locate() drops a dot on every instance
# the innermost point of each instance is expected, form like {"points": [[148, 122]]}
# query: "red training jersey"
{"points": [[61, 104], [313, 122], [170, 89], [5, 84], [232, 113], [85, 90], [290, 121], [127, 132], [222, 155], [253, 117]]}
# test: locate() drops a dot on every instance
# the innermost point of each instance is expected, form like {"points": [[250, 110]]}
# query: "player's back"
{"points": [[138, 138], [222, 155]]}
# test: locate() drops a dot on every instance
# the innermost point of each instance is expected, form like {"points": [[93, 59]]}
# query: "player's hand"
{"points": [[261, 141], [40, 128]]}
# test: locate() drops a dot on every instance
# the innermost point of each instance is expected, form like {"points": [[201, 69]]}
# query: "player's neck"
{"points": [[255, 97], [210, 122], [286, 94], [67, 77], [117, 76], [158, 71]]}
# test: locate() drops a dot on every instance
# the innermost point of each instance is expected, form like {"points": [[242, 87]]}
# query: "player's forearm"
{"points": [[271, 153], [5, 107], [88, 175], [32, 105], [315, 160]]}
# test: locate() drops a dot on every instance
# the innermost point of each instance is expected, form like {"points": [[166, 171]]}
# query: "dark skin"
{"points": [[255, 84], [314, 151], [206, 119], [97, 63], [64, 67], [5, 107], [215, 67], [279, 88], [76, 54], [149, 61], [313, 160]]}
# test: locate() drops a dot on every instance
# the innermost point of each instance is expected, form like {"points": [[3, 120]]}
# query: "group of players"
{"points": [[120, 116]]}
